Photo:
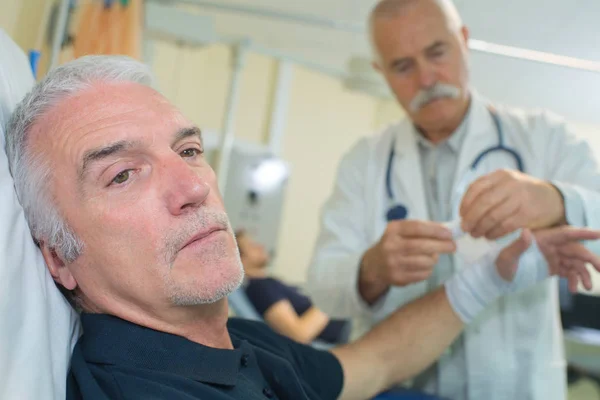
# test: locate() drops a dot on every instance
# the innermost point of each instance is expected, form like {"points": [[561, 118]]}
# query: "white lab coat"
{"points": [[514, 350], [37, 326]]}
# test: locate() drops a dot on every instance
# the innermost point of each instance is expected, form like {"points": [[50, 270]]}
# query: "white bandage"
{"points": [[477, 285], [470, 249]]}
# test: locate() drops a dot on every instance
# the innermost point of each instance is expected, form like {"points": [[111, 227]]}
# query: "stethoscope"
{"points": [[398, 211]]}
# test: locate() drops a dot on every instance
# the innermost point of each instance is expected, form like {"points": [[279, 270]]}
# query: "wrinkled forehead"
{"points": [[105, 113]]}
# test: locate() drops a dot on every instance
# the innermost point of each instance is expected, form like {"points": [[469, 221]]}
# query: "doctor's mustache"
{"points": [[437, 91]]}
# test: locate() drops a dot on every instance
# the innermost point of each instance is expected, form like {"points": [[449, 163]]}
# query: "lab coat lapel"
{"points": [[481, 135], [407, 173]]}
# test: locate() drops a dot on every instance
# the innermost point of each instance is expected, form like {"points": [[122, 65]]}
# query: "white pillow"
{"points": [[38, 328]]}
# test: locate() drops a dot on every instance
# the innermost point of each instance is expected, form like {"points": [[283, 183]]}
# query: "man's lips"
{"points": [[202, 235]]}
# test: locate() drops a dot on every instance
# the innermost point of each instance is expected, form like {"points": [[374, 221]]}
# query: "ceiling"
{"points": [[568, 28]]}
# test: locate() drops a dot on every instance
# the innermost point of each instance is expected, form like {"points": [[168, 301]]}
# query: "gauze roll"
{"points": [[470, 249]]}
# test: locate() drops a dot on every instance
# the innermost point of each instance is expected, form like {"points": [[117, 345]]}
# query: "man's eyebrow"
{"points": [[437, 45], [101, 153], [185, 133], [399, 61]]}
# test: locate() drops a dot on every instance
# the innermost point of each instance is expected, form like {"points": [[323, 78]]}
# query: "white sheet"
{"points": [[37, 326]]}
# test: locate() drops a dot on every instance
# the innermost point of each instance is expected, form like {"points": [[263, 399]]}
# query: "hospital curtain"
{"points": [[109, 27]]}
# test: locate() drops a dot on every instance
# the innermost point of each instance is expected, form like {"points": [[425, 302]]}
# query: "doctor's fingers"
{"points": [[415, 247], [419, 229], [483, 205], [411, 269], [396, 265], [497, 217], [507, 226], [416, 263], [479, 187]]}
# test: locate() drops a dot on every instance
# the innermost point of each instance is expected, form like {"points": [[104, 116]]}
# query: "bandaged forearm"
{"points": [[477, 285]]}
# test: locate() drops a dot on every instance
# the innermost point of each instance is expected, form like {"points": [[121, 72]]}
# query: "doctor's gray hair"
{"points": [[392, 8], [32, 173]]}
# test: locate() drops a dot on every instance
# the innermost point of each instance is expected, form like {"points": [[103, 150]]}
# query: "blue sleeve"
{"points": [[263, 293]]}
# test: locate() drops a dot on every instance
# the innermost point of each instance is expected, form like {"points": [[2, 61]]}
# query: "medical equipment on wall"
{"points": [[397, 211], [255, 191]]}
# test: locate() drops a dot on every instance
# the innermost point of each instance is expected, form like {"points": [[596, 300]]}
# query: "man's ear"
{"points": [[465, 35], [58, 270]]}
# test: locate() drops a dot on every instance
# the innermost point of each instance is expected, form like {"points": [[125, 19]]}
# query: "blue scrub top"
{"points": [[116, 359]]}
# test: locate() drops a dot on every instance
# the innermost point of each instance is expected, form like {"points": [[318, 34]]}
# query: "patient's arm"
{"points": [[400, 347], [304, 328], [416, 335]]}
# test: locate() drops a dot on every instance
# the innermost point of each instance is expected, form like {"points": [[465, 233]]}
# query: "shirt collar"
{"points": [[455, 140], [113, 341]]}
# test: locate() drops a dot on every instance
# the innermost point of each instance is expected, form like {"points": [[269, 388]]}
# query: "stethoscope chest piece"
{"points": [[396, 213]]}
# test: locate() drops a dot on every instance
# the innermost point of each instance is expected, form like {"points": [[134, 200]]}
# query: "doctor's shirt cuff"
{"points": [[574, 205]]}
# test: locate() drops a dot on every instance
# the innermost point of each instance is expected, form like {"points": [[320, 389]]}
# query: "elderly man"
{"points": [[129, 220], [456, 158]]}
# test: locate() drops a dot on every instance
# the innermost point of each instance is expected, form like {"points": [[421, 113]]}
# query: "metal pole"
{"points": [[228, 134], [280, 107], [59, 32]]}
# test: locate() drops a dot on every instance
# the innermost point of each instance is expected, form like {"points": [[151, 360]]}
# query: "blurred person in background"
{"points": [[283, 307]]}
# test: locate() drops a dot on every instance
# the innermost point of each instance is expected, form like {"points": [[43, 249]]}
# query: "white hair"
{"points": [[391, 8], [31, 172]]}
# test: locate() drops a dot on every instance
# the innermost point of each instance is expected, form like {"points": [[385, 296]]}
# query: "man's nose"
{"points": [[427, 76], [185, 189]]}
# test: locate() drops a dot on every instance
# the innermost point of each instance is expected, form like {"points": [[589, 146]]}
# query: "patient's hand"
{"points": [[565, 255]]}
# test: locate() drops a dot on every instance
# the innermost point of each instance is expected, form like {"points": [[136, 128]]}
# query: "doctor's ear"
{"points": [[466, 35], [57, 268]]}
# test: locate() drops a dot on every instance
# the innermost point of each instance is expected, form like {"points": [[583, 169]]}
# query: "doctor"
{"points": [[456, 157]]}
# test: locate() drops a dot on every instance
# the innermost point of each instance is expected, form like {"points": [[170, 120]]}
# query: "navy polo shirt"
{"points": [[115, 359]]}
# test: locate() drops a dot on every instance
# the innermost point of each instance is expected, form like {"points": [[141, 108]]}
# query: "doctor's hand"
{"points": [[563, 251], [505, 200], [406, 254]]}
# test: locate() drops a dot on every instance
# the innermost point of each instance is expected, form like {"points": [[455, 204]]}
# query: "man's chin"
{"points": [[206, 286]]}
